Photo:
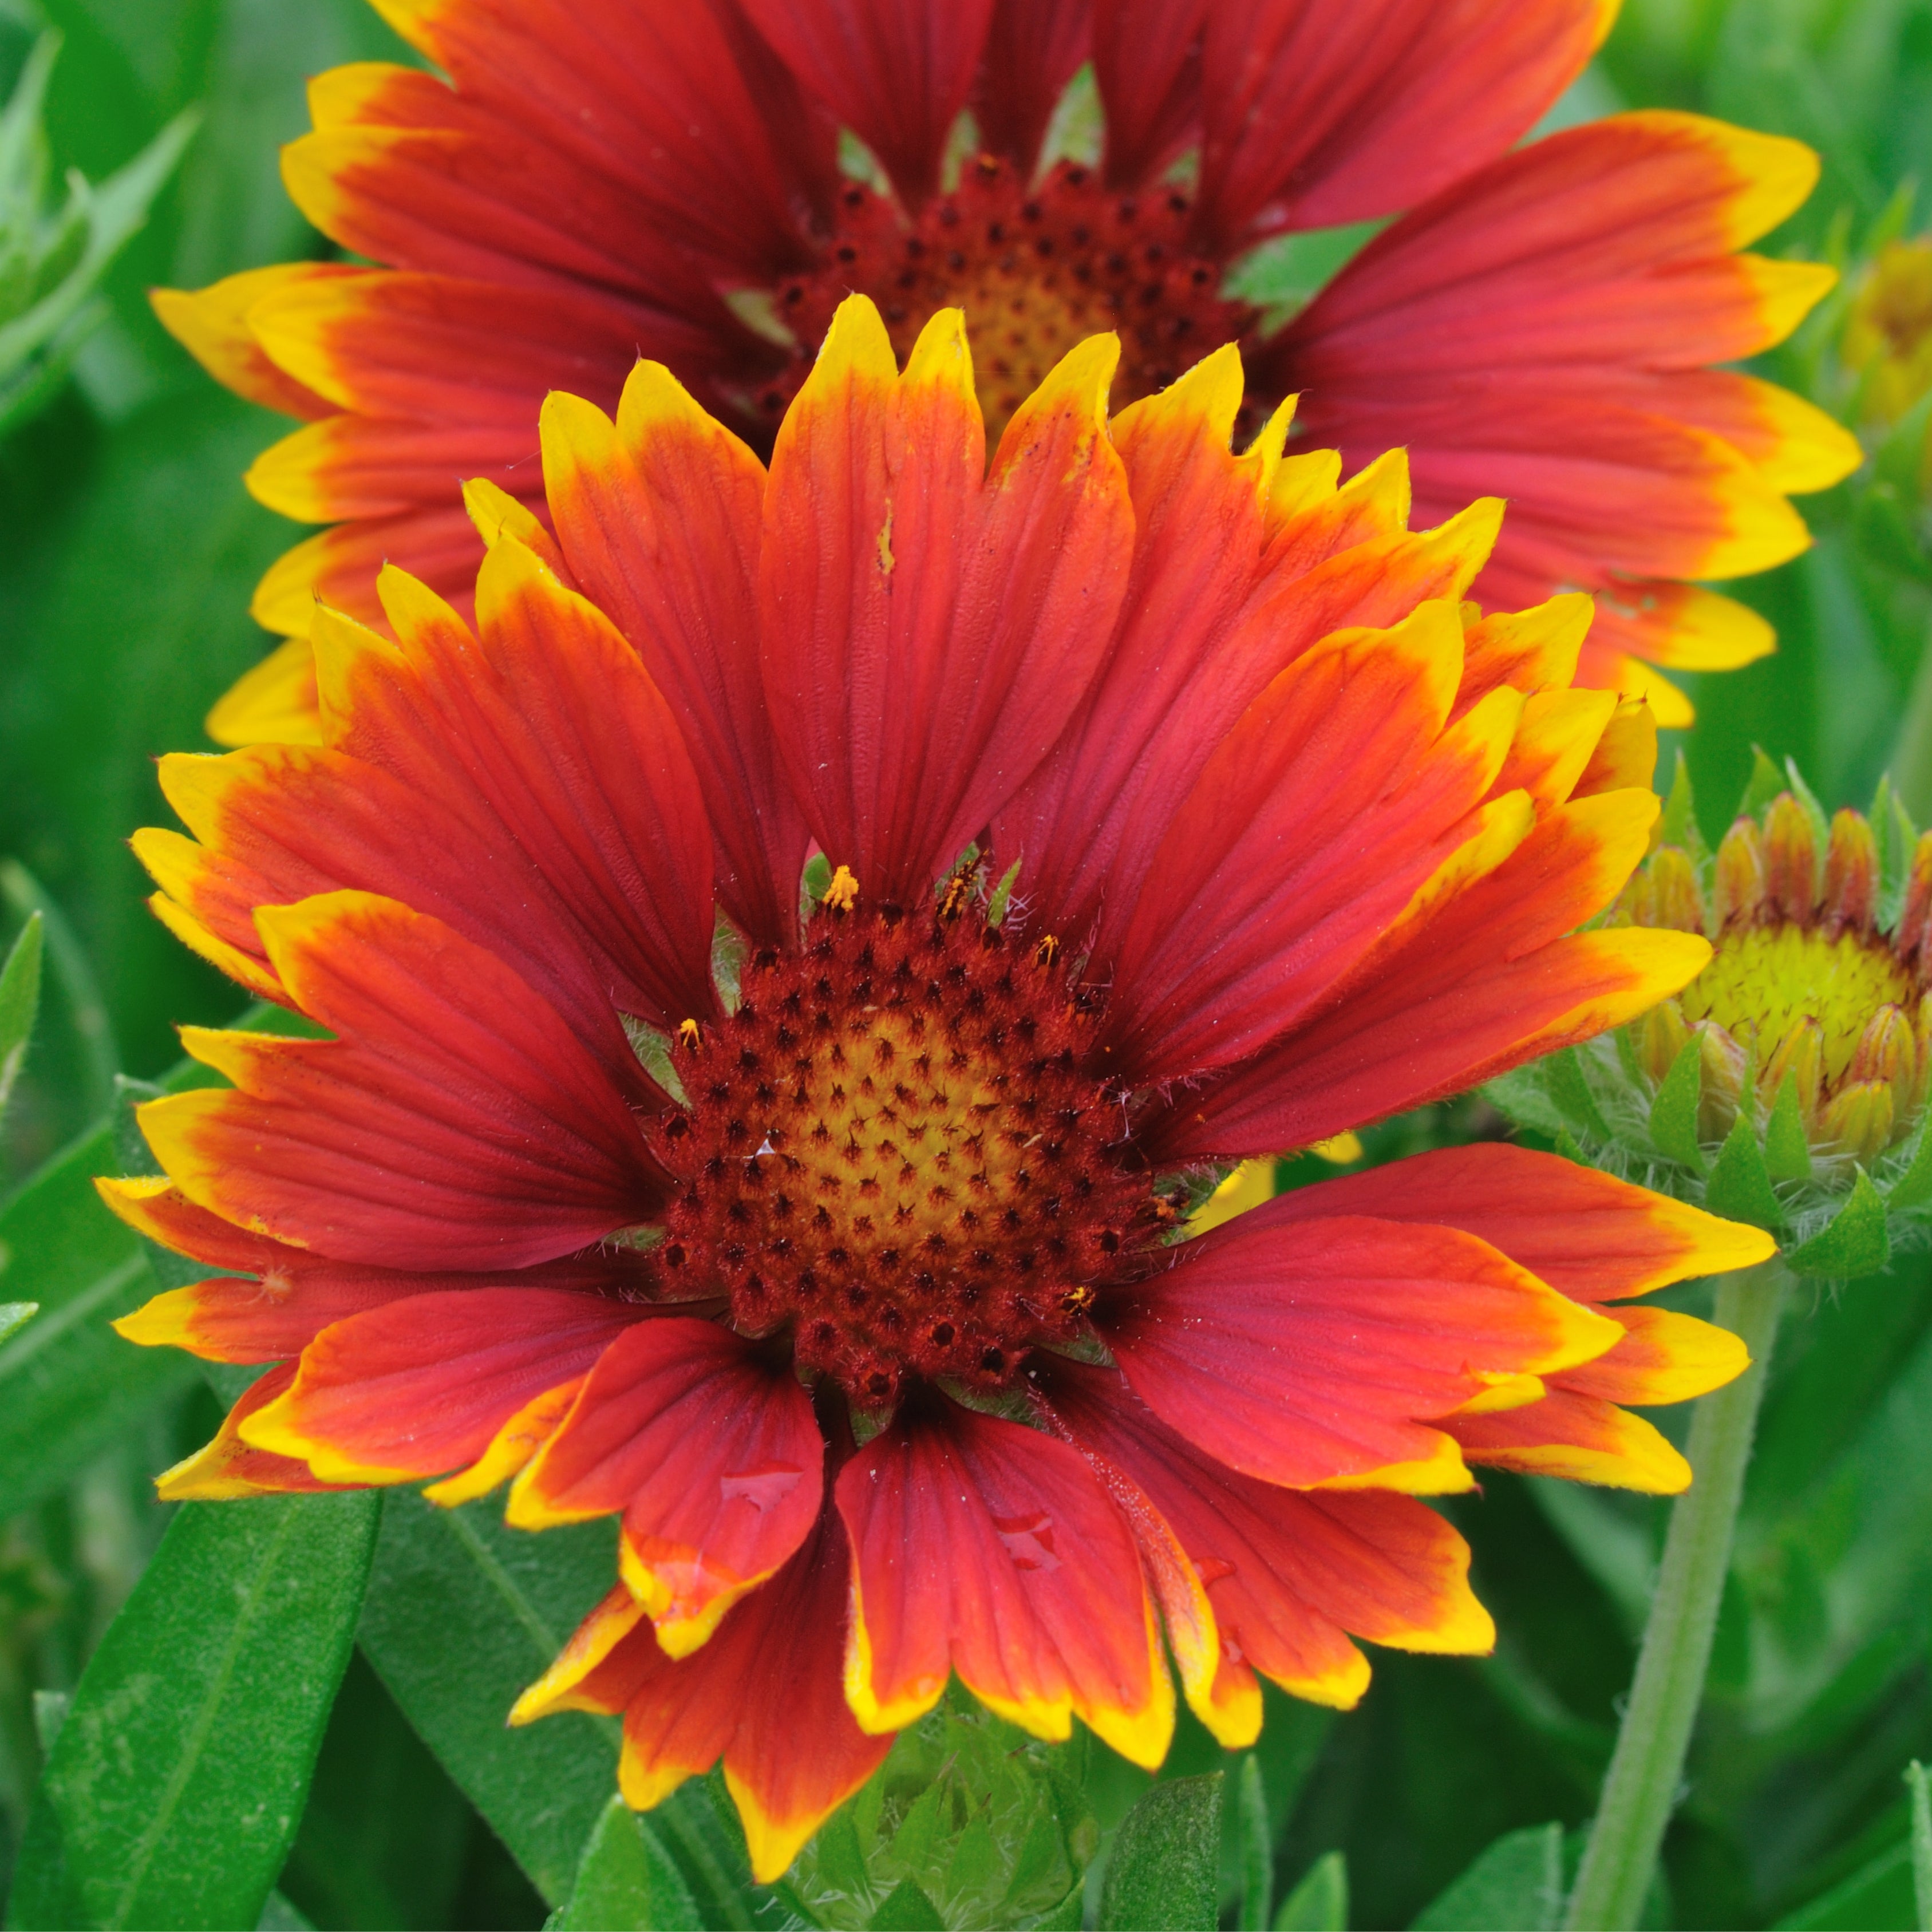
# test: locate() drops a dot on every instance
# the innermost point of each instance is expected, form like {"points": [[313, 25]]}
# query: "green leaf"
{"points": [[1515, 1885], [1256, 1863], [15, 1314], [69, 1385], [1164, 1869], [1673, 1113], [1922, 1844], [1740, 1184], [1880, 1893], [20, 1001], [1787, 1147], [176, 1782], [1855, 1243], [1320, 1903], [626, 1882], [463, 1615]]}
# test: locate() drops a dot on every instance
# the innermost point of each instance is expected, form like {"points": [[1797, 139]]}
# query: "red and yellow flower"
{"points": [[836, 1258], [582, 184]]}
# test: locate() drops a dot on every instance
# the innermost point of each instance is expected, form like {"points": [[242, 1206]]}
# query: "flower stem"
{"points": [[1640, 1788]]}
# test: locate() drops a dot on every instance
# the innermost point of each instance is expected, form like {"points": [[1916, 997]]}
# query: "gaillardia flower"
{"points": [[583, 183], [1170, 806], [1787, 1085]]}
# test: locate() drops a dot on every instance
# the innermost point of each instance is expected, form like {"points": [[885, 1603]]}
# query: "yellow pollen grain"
{"points": [[1761, 981], [843, 892]]}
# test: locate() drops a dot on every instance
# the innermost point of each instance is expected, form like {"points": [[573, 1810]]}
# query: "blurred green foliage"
{"points": [[1454, 1793]]}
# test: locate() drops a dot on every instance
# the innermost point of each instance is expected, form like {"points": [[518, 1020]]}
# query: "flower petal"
{"points": [[990, 1550], [1301, 1352], [211, 324], [1318, 114], [765, 1693], [927, 635], [1486, 980], [1578, 1437], [895, 72], [422, 1386], [228, 1468], [1595, 1238], [1335, 797], [1146, 60], [658, 515], [455, 1123], [1032, 49], [1288, 1573], [714, 1457]]}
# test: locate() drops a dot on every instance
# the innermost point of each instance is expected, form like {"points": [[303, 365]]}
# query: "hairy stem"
{"points": [[1640, 1788]]}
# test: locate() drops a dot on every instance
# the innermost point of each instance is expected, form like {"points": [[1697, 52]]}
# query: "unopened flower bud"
{"points": [[1636, 904], [1857, 1120], [1660, 1036], [1886, 1051], [1851, 874], [1738, 889], [1675, 899], [1917, 903], [1791, 860], [1801, 1053], [1723, 1068]]}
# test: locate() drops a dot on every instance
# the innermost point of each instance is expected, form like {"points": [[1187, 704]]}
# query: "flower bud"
{"points": [[1791, 860], [1851, 875], [1801, 1052], [1857, 1120], [1722, 1062], [1676, 900], [1918, 903], [1887, 1051], [1660, 1036], [1738, 889]]}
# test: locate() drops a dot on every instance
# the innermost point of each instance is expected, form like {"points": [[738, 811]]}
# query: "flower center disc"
{"points": [[892, 1153], [1762, 980], [1037, 271]]}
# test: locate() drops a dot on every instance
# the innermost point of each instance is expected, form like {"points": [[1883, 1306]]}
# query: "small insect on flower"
{"points": [[581, 181], [904, 1366]]}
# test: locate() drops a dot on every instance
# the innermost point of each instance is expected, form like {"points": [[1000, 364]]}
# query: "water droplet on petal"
{"points": [[763, 1487], [1029, 1540]]}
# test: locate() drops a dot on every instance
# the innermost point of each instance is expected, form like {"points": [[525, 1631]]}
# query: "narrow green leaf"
{"points": [[1821, 823], [1673, 1113], [462, 1615], [1922, 1844], [1740, 1185], [1516, 1884], [1320, 1903], [907, 1908], [626, 1882], [1257, 1846], [72, 974], [15, 1314], [1164, 1870], [1879, 1893], [20, 1001], [1523, 1094], [177, 1780], [1787, 1147], [279, 1915], [69, 1385], [1855, 1243]]}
